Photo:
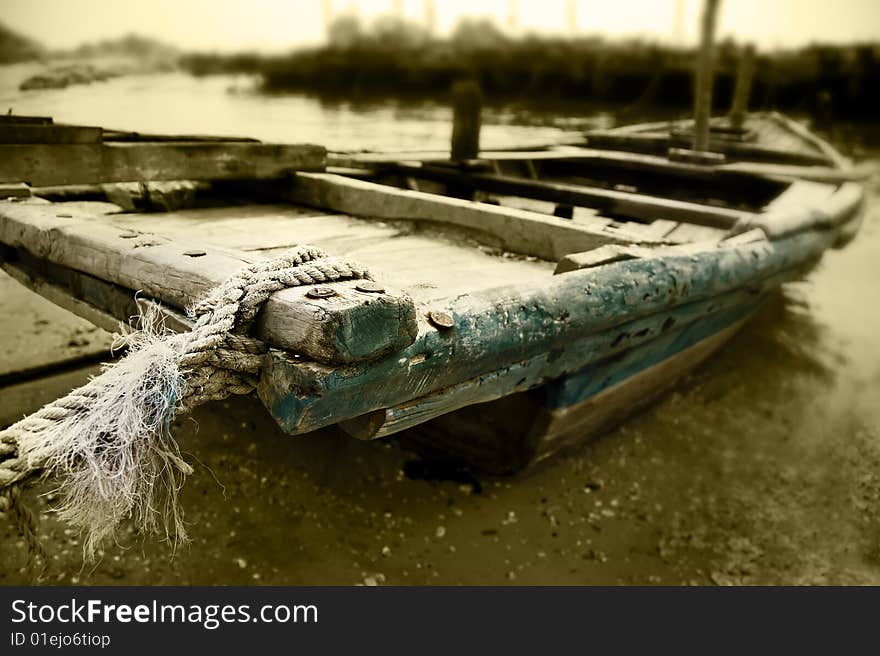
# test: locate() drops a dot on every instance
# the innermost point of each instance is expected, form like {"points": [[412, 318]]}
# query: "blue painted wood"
{"points": [[576, 388], [569, 390], [574, 319], [551, 328]]}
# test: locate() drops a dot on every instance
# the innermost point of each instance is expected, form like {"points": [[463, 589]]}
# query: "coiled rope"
{"points": [[108, 443]]}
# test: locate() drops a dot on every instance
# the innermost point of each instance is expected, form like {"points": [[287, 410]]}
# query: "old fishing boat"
{"points": [[518, 303]]}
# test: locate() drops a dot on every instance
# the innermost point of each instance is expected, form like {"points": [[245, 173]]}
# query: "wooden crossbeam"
{"points": [[28, 133], [44, 164], [616, 202], [517, 230]]}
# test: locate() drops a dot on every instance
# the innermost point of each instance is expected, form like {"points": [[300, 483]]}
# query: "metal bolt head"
{"points": [[370, 287], [194, 253], [441, 320], [321, 292]]}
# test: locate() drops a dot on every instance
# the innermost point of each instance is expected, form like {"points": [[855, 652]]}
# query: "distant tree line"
{"points": [[151, 53], [393, 57], [15, 47]]}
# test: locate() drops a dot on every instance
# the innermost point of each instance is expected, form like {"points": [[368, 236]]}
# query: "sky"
{"points": [[276, 25]]}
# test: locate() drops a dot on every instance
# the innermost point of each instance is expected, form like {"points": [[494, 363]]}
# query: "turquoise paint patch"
{"points": [[578, 387]]}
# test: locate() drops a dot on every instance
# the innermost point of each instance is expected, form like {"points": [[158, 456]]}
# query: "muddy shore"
{"points": [[763, 467]]}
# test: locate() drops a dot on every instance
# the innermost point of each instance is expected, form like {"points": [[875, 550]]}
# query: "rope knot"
{"points": [[109, 442]]}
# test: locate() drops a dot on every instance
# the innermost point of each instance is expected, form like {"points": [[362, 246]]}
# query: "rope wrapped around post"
{"points": [[108, 443]]}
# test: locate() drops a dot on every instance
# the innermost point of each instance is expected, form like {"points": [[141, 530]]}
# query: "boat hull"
{"points": [[501, 327], [520, 431]]}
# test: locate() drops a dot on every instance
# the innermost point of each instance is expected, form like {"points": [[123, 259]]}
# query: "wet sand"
{"points": [[763, 467]]}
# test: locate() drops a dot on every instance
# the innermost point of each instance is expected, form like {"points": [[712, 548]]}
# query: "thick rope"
{"points": [[108, 443]]}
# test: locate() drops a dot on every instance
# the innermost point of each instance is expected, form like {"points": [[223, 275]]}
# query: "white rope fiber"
{"points": [[108, 443]]}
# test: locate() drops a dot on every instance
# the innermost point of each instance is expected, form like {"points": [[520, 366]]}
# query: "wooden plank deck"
{"points": [[83, 237], [424, 261]]}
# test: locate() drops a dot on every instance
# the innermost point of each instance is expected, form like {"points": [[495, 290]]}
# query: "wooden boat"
{"points": [[523, 302]]}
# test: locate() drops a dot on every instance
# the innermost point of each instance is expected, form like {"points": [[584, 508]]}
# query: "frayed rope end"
{"points": [[109, 444]]}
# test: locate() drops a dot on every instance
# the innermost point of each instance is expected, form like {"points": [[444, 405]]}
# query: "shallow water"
{"points": [[761, 467], [177, 103]]}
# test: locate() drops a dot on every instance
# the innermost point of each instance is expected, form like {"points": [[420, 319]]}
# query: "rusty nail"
{"points": [[64, 216], [442, 320], [320, 292], [194, 253], [370, 287]]}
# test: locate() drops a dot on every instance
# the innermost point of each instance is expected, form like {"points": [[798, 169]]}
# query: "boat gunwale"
{"points": [[790, 257]]}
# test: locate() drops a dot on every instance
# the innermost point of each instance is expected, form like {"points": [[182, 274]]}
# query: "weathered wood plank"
{"points": [[120, 136], [518, 431], [209, 161], [14, 190], [620, 252], [733, 172], [570, 390], [426, 260], [685, 233], [597, 257], [638, 381], [26, 133], [608, 200], [799, 195], [700, 157], [497, 327], [808, 137], [659, 143], [347, 327], [162, 196], [520, 231], [814, 173], [736, 174], [48, 165], [808, 206], [13, 119], [42, 165]]}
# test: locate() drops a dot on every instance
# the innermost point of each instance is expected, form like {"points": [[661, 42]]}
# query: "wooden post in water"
{"points": [[467, 101], [703, 90], [743, 87]]}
